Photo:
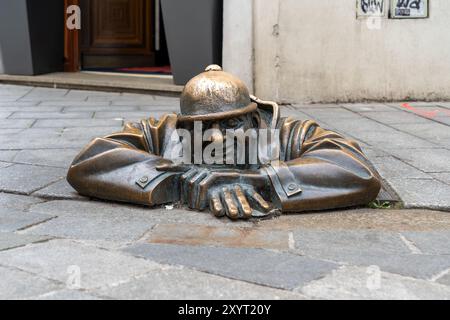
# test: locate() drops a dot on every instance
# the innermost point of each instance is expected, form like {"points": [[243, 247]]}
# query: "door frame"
{"points": [[72, 51], [72, 40]]}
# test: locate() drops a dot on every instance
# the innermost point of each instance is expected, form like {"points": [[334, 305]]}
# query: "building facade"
{"points": [[322, 51], [285, 50]]}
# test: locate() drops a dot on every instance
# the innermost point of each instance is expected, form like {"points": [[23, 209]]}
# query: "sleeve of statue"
{"points": [[122, 166], [321, 170]]}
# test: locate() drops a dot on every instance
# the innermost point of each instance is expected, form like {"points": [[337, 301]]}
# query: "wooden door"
{"points": [[117, 33], [71, 42]]}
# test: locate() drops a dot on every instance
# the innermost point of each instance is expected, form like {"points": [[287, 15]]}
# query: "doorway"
{"points": [[120, 36]]}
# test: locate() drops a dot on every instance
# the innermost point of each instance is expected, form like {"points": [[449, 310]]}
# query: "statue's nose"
{"points": [[217, 134]]}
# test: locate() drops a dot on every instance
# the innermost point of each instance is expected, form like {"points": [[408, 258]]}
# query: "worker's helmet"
{"points": [[213, 95]]}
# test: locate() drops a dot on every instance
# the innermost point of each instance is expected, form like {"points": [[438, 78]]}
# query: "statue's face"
{"points": [[244, 122], [217, 131]]}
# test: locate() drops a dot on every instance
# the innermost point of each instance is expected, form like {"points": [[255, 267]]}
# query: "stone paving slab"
{"points": [[97, 209], [126, 115], [334, 244], [226, 236], [410, 265], [394, 168], [10, 240], [5, 164], [16, 103], [39, 133], [393, 140], [19, 285], [78, 105], [133, 100], [60, 158], [103, 98], [430, 112], [59, 259], [26, 179], [445, 279], [374, 152], [97, 107], [443, 177], [164, 107], [288, 111], [39, 94], [362, 125], [185, 284], [4, 114], [119, 223], [331, 114], [443, 104], [420, 104], [11, 98], [7, 132], [390, 221], [162, 97], [428, 160], [421, 193], [36, 108], [43, 142], [368, 107], [51, 115], [88, 133], [438, 131], [66, 294], [435, 242], [115, 227], [80, 123], [16, 123], [85, 94], [359, 283], [443, 120], [12, 219], [274, 269], [397, 117], [59, 190], [17, 202], [316, 105]]}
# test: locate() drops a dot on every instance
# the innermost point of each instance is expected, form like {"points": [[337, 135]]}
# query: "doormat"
{"points": [[163, 70]]}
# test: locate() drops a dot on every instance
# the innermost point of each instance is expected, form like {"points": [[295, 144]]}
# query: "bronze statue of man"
{"points": [[315, 169]]}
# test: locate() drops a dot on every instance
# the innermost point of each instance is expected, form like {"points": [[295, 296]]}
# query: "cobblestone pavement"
{"points": [[55, 244]]}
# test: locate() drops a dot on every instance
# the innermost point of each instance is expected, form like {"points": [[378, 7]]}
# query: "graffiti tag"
{"points": [[372, 7], [410, 8]]}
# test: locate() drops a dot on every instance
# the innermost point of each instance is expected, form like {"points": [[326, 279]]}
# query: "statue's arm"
{"points": [[119, 167], [325, 171]]}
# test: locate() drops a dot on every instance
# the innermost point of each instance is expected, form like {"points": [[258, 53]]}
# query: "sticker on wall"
{"points": [[371, 8], [409, 9]]}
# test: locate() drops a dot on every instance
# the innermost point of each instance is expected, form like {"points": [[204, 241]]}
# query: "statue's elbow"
{"points": [[74, 178], [372, 188]]}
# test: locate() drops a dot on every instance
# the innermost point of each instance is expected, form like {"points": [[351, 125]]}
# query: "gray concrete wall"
{"points": [[2, 68], [15, 55], [319, 51]]}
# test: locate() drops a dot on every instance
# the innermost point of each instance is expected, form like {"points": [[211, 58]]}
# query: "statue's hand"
{"points": [[238, 202], [225, 192]]}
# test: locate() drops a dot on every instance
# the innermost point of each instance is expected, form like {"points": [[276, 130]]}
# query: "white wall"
{"points": [[317, 50], [238, 39]]}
